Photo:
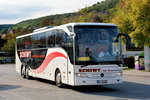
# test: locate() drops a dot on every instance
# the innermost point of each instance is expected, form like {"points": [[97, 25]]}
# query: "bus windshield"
{"points": [[96, 45]]}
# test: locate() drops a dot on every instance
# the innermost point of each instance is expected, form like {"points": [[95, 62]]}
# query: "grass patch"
{"points": [[144, 71], [128, 68]]}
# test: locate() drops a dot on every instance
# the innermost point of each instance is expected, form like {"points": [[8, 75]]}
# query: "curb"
{"points": [[136, 73]]}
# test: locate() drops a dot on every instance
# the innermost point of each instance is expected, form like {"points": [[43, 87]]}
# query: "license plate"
{"points": [[101, 81]]}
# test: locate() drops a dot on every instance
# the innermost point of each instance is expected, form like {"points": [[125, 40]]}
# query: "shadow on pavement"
{"points": [[126, 90], [8, 87], [43, 80]]}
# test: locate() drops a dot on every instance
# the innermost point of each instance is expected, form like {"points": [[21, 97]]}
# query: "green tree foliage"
{"points": [[105, 10], [133, 17], [100, 12], [9, 46], [140, 15], [47, 22], [3, 31], [85, 17], [104, 6], [5, 26], [122, 18], [2, 42], [97, 18], [44, 22]]}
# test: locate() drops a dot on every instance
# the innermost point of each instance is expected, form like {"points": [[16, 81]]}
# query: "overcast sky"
{"points": [[14, 11]]}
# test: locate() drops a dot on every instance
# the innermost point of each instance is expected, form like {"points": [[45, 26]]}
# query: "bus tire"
{"points": [[58, 78], [23, 72], [27, 73]]}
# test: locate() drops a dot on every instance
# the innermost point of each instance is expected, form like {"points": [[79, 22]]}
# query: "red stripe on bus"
{"points": [[48, 59]]}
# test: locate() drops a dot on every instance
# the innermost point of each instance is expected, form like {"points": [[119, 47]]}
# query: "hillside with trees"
{"points": [[131, 16], [100, 12], [4, 28]]}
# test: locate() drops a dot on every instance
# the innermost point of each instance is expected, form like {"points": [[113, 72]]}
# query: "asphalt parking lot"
{"points": [[14, 87]]}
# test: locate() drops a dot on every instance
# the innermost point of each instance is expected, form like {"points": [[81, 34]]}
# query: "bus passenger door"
{"points": [[70, 61]]}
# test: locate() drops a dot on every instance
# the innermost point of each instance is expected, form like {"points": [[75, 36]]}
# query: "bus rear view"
{"points": [[97, 55]]}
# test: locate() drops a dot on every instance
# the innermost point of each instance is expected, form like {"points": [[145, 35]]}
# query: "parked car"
{"points": [[4, 58]]}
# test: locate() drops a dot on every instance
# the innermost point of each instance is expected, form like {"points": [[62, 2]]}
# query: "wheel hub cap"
{"points": [[58, 78]]}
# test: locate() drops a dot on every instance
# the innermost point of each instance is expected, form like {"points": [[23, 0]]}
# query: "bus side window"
{"points": [[27, 42], [20, 44], [42, 40], [64, 41], [34, 39], [59, 38], [51, 38]]}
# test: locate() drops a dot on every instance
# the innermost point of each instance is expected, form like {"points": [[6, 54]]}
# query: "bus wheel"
{"points": [[27, 73], [58, 78], [23, 72]]}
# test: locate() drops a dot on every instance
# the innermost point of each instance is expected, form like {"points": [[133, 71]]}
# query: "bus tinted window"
{"points": [[64, 41], [20, 44], [34, 40], [59, 37], [42, 40], [51, 38], [27, 42]]}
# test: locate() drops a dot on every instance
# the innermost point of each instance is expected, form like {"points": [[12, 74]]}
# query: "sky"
{"points": [[14, 11]]}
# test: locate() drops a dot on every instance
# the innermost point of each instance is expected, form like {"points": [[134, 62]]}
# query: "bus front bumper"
{"points": [[81, 81]]}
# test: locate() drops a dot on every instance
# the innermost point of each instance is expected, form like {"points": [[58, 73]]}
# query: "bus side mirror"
{"points": [[128, 39], [72, 34]]}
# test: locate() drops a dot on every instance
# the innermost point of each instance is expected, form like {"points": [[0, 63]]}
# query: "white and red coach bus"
{"points": [[75, 54]]}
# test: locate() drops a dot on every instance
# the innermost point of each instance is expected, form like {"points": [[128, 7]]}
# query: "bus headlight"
{"points": [[119, 74], [81, 74]]}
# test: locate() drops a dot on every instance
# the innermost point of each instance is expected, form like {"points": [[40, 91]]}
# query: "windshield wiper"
{"points": [[88, 63]]}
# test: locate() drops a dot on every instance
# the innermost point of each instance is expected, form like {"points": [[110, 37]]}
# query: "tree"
{"points": [[45, 22], [133, 17], [2, 42], [141, 20], [3, 31], [97, 18], [9, 47], [122, 17]]}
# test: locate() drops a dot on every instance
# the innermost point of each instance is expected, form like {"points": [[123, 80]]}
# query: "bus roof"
{"points": [[87, 23], [65, 25]]}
